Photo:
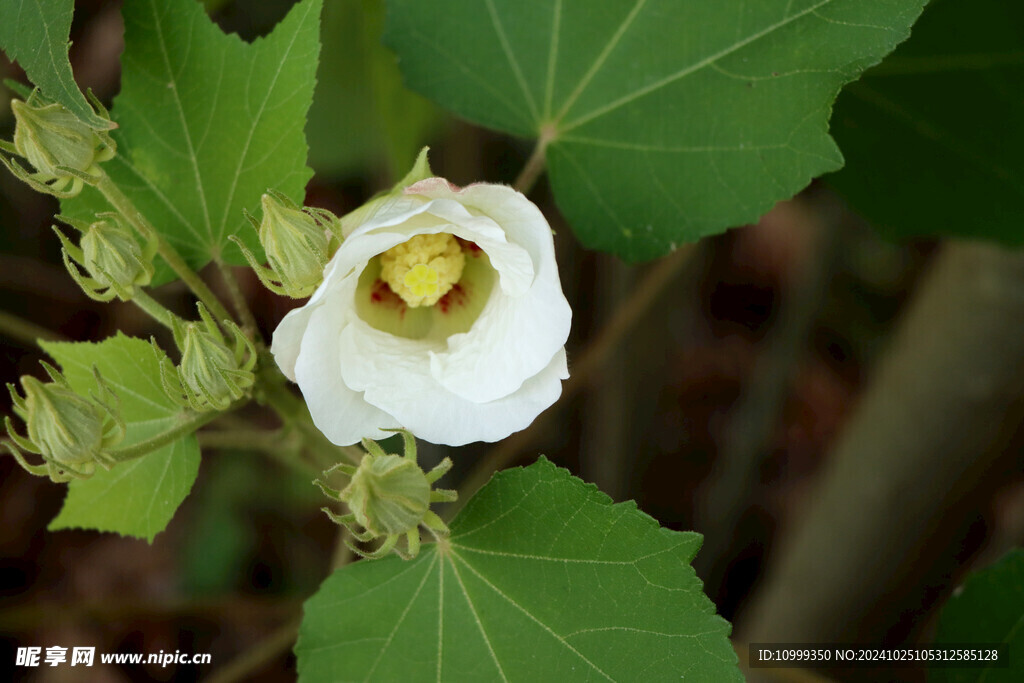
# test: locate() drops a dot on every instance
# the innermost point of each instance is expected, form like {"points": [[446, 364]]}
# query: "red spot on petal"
{"points": [[470, 248], [381, 294], [456, 296]]}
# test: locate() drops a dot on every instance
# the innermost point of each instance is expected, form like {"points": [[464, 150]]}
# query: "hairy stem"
{"points": [[238, 301], [273, 443], [153, 308], [188, 422], [126, 208]]}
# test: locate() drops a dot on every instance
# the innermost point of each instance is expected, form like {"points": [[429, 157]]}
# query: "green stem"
{"points": [[188, 422], [238, 301], [273, 443], [126, 208], [535, 164], [153, 308]]}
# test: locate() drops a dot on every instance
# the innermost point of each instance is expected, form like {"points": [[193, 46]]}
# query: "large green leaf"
{"points": [[542, 579], [34, 33], [667, 119], [209, 122], [932, 136], [138, 497], [988, 611]]}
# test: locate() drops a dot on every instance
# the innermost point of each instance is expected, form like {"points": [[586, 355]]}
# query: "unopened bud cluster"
{"points": [[115, 263], [389, 497], [70, 432], [214, 371], [64, 151], [298, 243]]}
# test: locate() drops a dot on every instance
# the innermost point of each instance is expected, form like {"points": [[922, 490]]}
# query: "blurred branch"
{"points": [[26, 331], [605, 434], [259, 655], [923, 431], [592, 358], [43, 613], [30, 276], [755, 416]]}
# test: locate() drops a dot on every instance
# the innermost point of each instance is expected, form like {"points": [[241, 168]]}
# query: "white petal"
{"points": [[433, 414], [287, 340], [339, 412], [513, 339]]}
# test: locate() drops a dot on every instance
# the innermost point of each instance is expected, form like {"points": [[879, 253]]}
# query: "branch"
{"points": [[922, 431], [259, 655], [26, 331]]}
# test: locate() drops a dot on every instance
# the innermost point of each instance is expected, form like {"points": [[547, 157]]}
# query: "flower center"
{"points": [[423, 269]]}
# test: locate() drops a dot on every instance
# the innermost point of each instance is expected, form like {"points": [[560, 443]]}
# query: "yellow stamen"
{"points": [[423, 269]]}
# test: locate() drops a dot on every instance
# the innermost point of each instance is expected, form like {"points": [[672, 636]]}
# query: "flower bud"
{"points": [[62, 149], [211, 374], [388, 494], [114, 261], [69, 431], [389, 497], [297, 242]]}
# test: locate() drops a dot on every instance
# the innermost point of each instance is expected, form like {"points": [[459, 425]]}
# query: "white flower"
{"points": [[441, 312]]}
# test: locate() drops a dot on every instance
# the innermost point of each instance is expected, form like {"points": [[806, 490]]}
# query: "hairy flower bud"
{"points": [[212, 374], [297, 242], [112, 257], [388, 494], [70, 432], [389, 497], [62, 149]]}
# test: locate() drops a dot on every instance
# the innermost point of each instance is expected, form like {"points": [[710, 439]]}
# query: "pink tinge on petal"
{"points": [[432, 185]]}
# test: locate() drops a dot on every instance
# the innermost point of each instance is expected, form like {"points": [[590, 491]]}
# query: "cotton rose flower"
{"points": [[441, 312]]}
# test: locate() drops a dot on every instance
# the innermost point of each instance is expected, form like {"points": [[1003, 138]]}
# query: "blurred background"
{"points": [[716, 387]]}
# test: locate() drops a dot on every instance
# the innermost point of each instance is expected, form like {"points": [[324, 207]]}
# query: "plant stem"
{"points": [[632, 308], [535, 164], [259, 655], [25, 330], [169, 254], [238, 301], [188, 422], [273, 443], [153, 308]]}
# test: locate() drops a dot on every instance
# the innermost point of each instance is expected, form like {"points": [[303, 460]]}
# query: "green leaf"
{"points": [[35, 33], [543, 578], [359, 90], [208, 123], [138, 497], [667, 120], [932, 136], [989, 610]]}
